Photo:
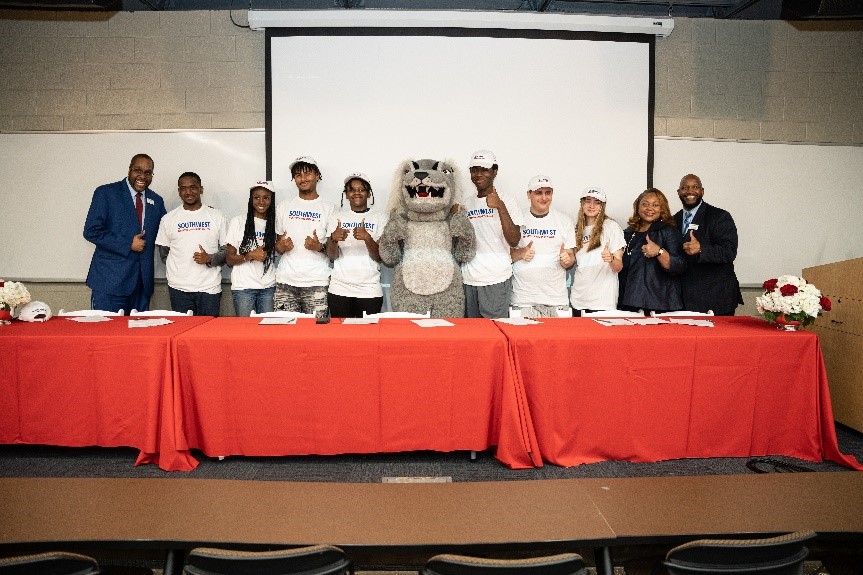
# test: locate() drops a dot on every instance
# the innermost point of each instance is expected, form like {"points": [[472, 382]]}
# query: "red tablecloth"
{"points": [[248, 389], [77, 384], [654, 392]]}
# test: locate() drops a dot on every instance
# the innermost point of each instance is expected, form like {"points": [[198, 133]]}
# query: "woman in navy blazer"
{"points": [[121, 271]]}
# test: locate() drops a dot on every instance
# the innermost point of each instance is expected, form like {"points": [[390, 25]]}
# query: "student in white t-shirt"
{"points": [[191, 243], [543, 255], [355, 284], [303, 224], [598, 256], [252, 252], [496, 218]]}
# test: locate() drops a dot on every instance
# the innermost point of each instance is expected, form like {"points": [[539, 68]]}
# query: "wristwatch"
{"points": [[661, 251]]}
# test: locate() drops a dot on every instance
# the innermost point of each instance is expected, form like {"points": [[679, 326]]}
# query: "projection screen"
{"points": [[574, 106]]}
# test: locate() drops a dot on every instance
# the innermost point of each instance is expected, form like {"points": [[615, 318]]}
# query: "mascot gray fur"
{"points": [[425, 241]]}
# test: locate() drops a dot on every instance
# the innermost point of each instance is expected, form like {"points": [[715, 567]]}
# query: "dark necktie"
{"points": [[139, 208], [687, 217]]}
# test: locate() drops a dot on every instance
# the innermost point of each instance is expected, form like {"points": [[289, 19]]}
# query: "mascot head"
{"points": [[425, 189]]}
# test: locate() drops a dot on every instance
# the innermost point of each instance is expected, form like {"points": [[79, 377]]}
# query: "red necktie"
{"points": [[139, 208]]}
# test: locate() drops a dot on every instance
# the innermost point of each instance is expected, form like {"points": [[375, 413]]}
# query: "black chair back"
{"points": [[52, 563], [562, 564], [312, 560], [782, 555]]}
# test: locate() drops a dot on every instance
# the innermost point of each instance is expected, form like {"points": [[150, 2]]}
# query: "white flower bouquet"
{"points": [[13, 294], [790, 300]]}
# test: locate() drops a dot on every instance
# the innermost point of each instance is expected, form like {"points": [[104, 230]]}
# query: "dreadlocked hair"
{"points": [[595, 235], [250, 242]]}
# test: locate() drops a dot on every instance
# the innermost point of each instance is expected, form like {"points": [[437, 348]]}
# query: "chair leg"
{"points": [[174, 562], [473, 455], [604, 565]]}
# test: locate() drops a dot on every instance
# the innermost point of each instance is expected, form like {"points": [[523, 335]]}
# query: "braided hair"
{"points": [[250, 242]]}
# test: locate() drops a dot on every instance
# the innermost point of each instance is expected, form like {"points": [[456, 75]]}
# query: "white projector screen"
{"points": [[576, 107]]}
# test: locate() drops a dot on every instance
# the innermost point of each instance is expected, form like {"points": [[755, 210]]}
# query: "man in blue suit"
{"points": [[710, 242], [122, 221]]}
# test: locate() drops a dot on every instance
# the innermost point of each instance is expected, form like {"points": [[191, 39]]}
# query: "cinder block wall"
{"points": [[69, 71]]}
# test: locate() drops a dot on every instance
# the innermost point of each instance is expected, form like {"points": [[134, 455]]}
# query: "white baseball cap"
{"points": [[483, 159], [538, 182], [594, 192], [35, 311], [303, 159], [267, 185], [358, 176]]}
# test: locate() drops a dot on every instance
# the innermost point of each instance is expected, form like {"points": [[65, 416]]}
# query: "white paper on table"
{"points": [[517, 320], [692, 321], [278, 321], [432, 322], [359, 320], [647, 320], [89, 318], [149, 322], [613, 321]]}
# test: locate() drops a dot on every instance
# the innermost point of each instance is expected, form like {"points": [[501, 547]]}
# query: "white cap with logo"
{"points": [[305, 160], [482, 159], [358, 176], [538, 182], [267, 185], [594, 192]]}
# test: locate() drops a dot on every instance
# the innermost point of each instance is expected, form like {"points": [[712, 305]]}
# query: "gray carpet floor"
{"points": [[46, 461]]}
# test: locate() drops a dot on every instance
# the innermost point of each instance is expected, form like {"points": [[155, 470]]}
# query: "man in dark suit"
{"points": [[122, 221], [710, 244]]}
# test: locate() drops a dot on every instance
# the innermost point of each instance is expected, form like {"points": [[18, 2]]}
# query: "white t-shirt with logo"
{"points": [[355, 273], [250, 274], [594, 285], [300, 267], [542, 281], [184, 231], [492, 263]]}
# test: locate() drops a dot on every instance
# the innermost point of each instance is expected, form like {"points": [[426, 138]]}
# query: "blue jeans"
{"points": [[199, 302], [248, 300]]}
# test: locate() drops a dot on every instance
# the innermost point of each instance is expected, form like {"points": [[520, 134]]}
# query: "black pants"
{"points": [[343, 306]]}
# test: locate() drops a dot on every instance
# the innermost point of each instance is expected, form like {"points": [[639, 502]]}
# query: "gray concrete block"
{"points": [[673, 104], [135, 122], [250, 47], [86, 122], [70, 23], [810, 58], [783, 131], [61, 102], [714, 106], [826, 86], [690, 127], [160, 50], [737, 130], [704, 31], [139, 76], [37, 123], [832, 132], [178, 75], [249, 99], [134, 24], [205, 99], [239, 74], [58, 50], [187, 23], [221, 24], [186, 121], [210, 49], [760, 108], [806, 110], [110, 50], [660, 126], [770, 57], [16, 23], [779, 84], [238, 120], [18, 102]]}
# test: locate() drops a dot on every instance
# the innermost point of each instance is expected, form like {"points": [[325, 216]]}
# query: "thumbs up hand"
{"points": [[284, 243], [138, 242], [693, 246], [525, 254], [313, 243], [201, 256], [339, 234], [606, 255], [566, 258], [650, 249], [360, 232]]}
